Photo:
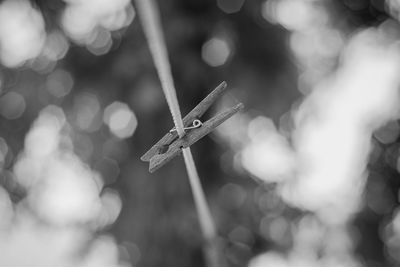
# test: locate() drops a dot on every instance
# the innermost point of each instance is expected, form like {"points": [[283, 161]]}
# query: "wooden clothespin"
{"points": [[170, 145]]}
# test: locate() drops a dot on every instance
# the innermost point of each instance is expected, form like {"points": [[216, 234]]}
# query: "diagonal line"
{"points": [[149, 16]]}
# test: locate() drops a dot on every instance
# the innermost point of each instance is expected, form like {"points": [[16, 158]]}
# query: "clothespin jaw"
{"points": [[196, 113], [170, 146]]}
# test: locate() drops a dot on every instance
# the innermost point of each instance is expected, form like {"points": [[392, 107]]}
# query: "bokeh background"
{"points": [[306, 175]]}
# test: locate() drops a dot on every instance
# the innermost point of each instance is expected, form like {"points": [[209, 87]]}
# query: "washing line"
{"points": [[148, 13]]}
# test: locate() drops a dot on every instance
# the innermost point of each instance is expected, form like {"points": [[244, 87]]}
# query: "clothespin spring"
{"points": [[196, 124]]}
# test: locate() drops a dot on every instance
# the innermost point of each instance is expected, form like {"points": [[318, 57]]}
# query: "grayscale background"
{"points": [[306, 175]]}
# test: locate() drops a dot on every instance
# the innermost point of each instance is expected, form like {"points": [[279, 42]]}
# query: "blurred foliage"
{"points": [[158, 216]]}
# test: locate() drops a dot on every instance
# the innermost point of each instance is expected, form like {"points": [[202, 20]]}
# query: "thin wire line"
{"points": [[149, 16], [206, 222]]}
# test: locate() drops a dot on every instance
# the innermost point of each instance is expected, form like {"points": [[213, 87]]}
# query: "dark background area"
{"points": [[158, 212]]}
